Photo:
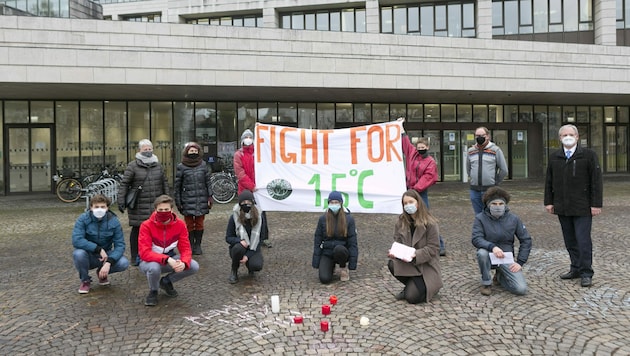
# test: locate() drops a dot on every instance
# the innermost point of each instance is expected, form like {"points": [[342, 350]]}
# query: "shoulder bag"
{"points": [[131, 199]]}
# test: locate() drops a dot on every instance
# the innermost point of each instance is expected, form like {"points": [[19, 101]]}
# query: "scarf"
{"points": [[241, 231], [189, 162], [248, 162], [148, 161]]}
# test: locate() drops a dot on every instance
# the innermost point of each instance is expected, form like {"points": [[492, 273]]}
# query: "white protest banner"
{"points": [[296, 169]]}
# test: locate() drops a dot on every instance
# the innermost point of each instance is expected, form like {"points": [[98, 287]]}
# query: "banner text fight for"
{"points": [[313, 145]]}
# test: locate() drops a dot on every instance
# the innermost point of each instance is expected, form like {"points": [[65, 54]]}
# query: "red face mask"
{"points": [[163, 216]]}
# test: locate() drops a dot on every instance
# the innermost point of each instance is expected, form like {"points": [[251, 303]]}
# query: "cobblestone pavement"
{"points": [[42, 313]]}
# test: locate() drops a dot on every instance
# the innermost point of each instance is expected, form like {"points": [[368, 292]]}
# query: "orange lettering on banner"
{"points": [[306, 146], [370, 151], [260, 141], [287, 158], [354, 141], [390, 139]]}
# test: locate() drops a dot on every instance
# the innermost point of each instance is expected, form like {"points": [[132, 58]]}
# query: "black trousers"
{"points": [[254, 262], [327, 264], [415, 288], [133, 242], [576, 231]]}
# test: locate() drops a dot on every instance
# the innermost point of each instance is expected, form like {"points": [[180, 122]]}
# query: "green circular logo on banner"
{"points": [[279, 189]]}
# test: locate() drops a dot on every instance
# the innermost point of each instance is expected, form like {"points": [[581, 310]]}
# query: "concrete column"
{"points": [[270, 16], [605, 22], [484, 19], [372, 16]]}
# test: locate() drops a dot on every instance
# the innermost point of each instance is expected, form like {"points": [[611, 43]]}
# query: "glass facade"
{"points": [[250, 20], [44, 8], [347, 20], [155, 17], [43, 137], [445, 19], [568, 21]]}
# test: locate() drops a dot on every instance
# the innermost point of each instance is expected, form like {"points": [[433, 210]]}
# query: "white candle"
{"points": [[275, 304], [364, 321]]}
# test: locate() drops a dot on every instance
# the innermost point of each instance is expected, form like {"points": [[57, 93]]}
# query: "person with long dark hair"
{"points": [[417, 228]]}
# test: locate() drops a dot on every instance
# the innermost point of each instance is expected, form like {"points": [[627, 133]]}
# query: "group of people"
{"points": [[162, 244]]}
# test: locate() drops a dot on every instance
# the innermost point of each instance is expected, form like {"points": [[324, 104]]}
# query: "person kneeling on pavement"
{"points": [[244, 234], [159, 235], [99, 243], [335, 241], [493, 232]]}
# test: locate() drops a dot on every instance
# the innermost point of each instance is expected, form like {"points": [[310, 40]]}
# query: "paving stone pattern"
{"points": [[42, 313]]}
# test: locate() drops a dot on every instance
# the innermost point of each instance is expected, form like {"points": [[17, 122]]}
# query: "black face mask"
{"points": [[480, 140], [193, 155], [246, 208], [422, 152]]}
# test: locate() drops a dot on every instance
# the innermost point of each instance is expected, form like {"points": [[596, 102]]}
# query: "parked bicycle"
{"points": [[68, 188], [224, 182]]}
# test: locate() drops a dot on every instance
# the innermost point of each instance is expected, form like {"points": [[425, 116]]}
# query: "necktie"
{"points": [[568, 153]]}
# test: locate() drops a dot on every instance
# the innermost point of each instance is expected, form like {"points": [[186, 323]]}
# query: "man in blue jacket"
{"points": [[99, 243]]}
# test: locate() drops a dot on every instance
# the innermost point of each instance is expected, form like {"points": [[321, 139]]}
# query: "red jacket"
{"points": [[156, 240], [421, 172], [244, 168]]}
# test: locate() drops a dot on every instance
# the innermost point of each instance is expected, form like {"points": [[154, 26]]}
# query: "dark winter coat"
{"points": [[89, 233], [324, 245], [154, 186], [574, 185], [192, 189]]}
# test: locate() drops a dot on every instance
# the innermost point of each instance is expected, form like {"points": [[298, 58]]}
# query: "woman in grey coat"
{"points": [[193, 193], [417, 228], [146, 172]]}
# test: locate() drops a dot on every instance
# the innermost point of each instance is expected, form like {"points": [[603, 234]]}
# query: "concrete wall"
{"points": [[51, 50]]}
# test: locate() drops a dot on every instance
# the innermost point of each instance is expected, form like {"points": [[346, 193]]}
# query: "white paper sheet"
{"points": [[402, 251], [508, 259]]}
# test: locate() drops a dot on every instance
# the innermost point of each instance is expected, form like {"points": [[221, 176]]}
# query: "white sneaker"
{"points": [[344, 274]]}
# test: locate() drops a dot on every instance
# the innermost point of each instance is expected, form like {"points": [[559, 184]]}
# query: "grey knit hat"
{"points": [[247, 133]]}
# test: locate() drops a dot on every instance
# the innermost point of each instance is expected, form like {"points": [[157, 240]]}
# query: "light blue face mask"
{"points": [[334, 208], [410, 209]]}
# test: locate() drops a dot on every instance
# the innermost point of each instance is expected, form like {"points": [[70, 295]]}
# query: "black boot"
{"points": [[192, 238], [197, 246], [233, 275]]}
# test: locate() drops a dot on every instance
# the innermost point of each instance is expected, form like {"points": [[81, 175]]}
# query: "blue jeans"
{"points": [[85, 261], [154, 271], [511, 281], [475, 199]]}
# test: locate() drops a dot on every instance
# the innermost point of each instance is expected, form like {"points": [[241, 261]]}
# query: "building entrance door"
{"points": [[30, 157]]}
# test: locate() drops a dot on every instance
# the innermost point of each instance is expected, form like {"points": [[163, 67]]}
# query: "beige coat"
{"points": [[427, 262]]}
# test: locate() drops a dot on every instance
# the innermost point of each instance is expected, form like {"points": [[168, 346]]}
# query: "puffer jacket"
{"points": [[486, 166], [192, 189], [420, 170], [89, 233], [157, 241], [324, 245], [154, 186], [489, 232]]}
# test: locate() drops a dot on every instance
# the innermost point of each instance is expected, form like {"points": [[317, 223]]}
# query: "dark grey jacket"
{"points": [[192, 189], [154, 186], [489, 232]]}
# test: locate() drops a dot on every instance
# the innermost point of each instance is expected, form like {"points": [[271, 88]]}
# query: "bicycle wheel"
{"points": [[223, 188], [69, 190]]}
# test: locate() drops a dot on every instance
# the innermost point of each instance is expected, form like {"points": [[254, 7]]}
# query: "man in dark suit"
{"points": [[573, 191]]}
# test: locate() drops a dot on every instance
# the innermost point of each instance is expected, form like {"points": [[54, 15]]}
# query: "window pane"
{"points": [[307, 116], [309, 22], [16, 112], [42, 112], [454, 20], [581, 114], [609, 114], [400, 20], [67, 113], [586, 10], [386, 20], [497, 14], [91, 137], [480, 113], [448, 113], [138, 121], [380, 113], [286, 21], [511, 113], [413, 19], [238, 22], [623, 114], [440, 17], [426, 20], [297, 21], [287, 112], [431, 113], [464, 113], [344, 112], [414, 113], [511, 14], [397, 110], [525, 113], [322, 21], [526, 12], [268, 112], [469, 16], [360, 20], [161, 135], [362, 113], [227, 133], [249, 22], [347, 22], [335, 21], [555, 11], [116, 134], [325, 116], [570, 15]]}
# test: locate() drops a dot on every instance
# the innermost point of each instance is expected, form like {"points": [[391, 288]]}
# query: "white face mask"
{"points": [[410, 209], [247, 141], [568, 141], [99, 213]]}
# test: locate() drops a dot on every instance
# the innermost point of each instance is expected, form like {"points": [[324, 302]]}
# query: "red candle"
{"points": [[298, 319], [333, 299], [324, 326], [325, 309]]}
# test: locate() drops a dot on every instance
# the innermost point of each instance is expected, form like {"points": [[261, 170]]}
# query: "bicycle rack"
{"points": [[106, 186]]}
